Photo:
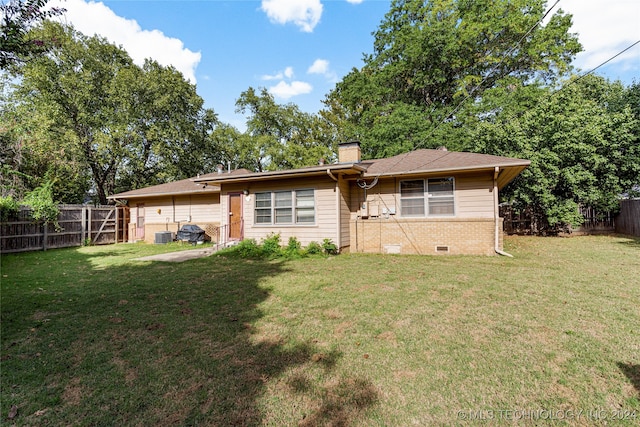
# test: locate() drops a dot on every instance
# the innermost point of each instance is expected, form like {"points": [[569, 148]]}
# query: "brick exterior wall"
{"points": [[451, 236]]}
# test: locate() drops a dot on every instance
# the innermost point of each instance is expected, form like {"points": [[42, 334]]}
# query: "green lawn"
{"points": [[551, 336]]}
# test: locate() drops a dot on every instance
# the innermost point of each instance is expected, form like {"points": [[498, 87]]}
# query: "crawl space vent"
{"points": [[442, 249]]}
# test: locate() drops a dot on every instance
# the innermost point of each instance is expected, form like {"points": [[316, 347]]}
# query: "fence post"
{"points": [[83, 225], [44, 235], [117, 224], [89, 223]]}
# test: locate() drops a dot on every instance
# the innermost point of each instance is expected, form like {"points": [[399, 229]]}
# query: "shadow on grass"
{"points": [[633, 373], [633, 242], [157, 344]]}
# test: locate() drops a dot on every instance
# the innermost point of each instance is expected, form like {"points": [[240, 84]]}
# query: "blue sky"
{"points": [[299, 49]]}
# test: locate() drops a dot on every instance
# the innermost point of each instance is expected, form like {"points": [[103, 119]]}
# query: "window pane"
{"points": [[412, 207], [306, 215], [304, 198], [412, 188], [263, 200], [282, 199], [283, 216], [412, 198], [305, 207], [441, 206], [442, 186], [263, 216]]}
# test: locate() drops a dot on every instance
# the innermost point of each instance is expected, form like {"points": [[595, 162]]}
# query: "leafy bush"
{"points": [[248, 248], [314, 248], [8, 207], [294, 248], [329, 247], [43, 208], [271, 245], [270, 248]]}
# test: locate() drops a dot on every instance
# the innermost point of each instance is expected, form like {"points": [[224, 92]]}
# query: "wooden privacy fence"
{"points": [[628, 220], [77, 225], [528, 221]]}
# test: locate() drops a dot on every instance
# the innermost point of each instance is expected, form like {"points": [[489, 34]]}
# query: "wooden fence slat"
{"points": [[525, 221], [628, 220], [21, 233]]}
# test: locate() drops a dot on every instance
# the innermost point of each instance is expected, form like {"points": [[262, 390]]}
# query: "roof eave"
{"points": [[124, 196], [289, 173], [520, 166]]}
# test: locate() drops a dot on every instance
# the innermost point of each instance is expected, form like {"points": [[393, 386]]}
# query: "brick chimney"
{"points": [[349, 152]]}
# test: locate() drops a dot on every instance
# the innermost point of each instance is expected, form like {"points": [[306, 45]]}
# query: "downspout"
{"points": [[496, 215], [333, 177], [338, 211]]}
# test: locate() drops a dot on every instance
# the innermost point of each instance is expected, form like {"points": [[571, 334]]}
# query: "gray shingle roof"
{"points": [[426, 161], [182, 187], [422, 161]]}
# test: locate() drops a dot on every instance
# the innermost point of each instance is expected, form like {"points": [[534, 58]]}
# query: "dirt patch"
{"points": [[388, 336], [340, 329], [404, 375], [333, 314], [130, 373], [73, 392], [42, 316]]}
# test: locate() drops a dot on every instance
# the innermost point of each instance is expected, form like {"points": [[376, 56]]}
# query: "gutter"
{"points": [[496, 215]]}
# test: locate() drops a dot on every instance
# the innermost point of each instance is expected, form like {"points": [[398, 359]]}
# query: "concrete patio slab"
{"points": [[180, 256]]}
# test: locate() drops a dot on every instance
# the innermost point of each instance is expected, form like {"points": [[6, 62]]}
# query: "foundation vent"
{"points": [[442, 249]]}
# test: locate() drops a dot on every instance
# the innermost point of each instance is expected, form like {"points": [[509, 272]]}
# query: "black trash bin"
{"points": [[191, 233]]}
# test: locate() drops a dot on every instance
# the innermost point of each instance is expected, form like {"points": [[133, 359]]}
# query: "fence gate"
{"points": [[77, 225]]}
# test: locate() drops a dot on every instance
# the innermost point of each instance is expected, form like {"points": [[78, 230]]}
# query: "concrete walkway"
{"points": [[179, 256]]}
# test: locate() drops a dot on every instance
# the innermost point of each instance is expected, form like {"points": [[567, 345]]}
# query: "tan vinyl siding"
{"points": [[326, 217], [474, 196], [204, 208], [169, 213], [380, 197]]}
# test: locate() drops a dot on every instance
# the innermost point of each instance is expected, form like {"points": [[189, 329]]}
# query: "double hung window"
{"points": [[427, 197], [285, 207]]}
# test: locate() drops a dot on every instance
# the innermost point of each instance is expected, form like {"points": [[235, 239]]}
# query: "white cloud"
{"points": [[604, 29], [354, 1], [277, 76], [287, 73], [303, 13], [95, 18], [319, 66], [286, 90]]}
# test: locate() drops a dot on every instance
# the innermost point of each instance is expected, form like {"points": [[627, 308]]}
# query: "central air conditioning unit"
{"points": [[163, 237]]}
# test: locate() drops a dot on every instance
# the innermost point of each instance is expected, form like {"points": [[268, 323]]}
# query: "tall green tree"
{"points": [[582, 146], [17, 44], [280, 136], [32, 155], [431, 56], [134, 126]]}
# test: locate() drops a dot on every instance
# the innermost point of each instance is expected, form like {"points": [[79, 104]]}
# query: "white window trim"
{"points": [[293, 208], [428, 196]]}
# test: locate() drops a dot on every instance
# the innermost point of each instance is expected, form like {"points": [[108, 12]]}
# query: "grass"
{"points": [[92, 337]]}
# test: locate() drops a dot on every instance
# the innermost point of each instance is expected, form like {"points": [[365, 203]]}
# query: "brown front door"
{"points": [[235, 216], [140, 222]]}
